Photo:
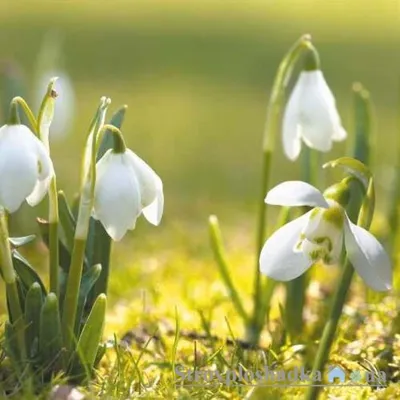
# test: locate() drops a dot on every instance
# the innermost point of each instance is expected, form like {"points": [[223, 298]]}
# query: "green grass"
{"points": [[196, 76]]}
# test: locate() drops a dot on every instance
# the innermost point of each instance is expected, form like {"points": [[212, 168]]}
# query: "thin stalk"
{"points": [[53, 238], [218, 249], [28, 112], [331, 325], [296, 289], [11, 286], [72, 292], [271, 129], [261, 230], [82, 228], [45, 118], [365, 214]]}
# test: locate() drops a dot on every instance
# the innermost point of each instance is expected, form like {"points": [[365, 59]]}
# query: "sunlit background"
{"points": [[196, 75]]}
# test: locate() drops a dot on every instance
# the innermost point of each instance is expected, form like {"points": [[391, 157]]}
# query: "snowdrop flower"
{"points": [[125, 187], [311, 115], [24, 162], [320, 234]]}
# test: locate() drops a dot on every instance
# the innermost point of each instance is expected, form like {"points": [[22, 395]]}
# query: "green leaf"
{"points": [[64, 253], [21, 241], [50, 338], [33, 307], [46, 112], [26, 273], [11, 343], [67, 220], [89, 340], [89, 278], [362, 123]]}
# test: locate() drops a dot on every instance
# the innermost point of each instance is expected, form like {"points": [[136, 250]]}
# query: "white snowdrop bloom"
{"points": [[311, 116], [125, 187], [24, 162], [320, 234]]}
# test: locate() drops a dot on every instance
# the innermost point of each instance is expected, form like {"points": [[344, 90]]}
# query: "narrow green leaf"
{"points": [[89, 278], [362, 123], [33, 307], [46, 112], [50, 337], [64, 253], [21, 241], [219, 253], [89, 340], [26, 273], [67, 220], [11, 343]]}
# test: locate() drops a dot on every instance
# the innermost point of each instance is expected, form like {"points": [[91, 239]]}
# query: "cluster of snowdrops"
{"points": [[57, 327]]}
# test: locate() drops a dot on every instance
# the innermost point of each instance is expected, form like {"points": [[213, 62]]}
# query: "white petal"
{"points": [[318, 115], [151, 188], [117, 197], [23, 160], [279, 259], [296, 193], [291, 130], [18, 178], [45, 172], [40, 190], [368, 257], [339, 135], [154, 211]]}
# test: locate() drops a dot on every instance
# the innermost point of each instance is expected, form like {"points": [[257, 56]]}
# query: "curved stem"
{"points": [[16, 315], [365, 214], [53, 237], [330, 327], [272, 125], [28, 112]]}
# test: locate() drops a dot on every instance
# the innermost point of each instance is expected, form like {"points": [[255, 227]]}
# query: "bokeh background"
{"points": [[196, 75]]}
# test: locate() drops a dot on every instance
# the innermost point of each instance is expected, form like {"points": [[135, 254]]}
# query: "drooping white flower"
{"points": [[125, 187], [311, 116], [24, 162], [320, 234]]}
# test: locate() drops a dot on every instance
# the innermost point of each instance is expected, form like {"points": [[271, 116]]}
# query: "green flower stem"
{"points": [[11, 286], [364, 220], [76, 267], [296, 289], [28, 112], [44, 121], [271, 129], [218, 248], [330, 327], [362, 124], [53, 238], [72, 292], [82, 227]]}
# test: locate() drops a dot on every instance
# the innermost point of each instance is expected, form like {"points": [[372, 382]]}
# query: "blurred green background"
{"points": [[196, 76]]}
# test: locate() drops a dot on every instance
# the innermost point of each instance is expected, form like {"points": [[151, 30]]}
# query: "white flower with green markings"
{"points": [[24, 162], [125, 187], [311, 115], [320, 234]]}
